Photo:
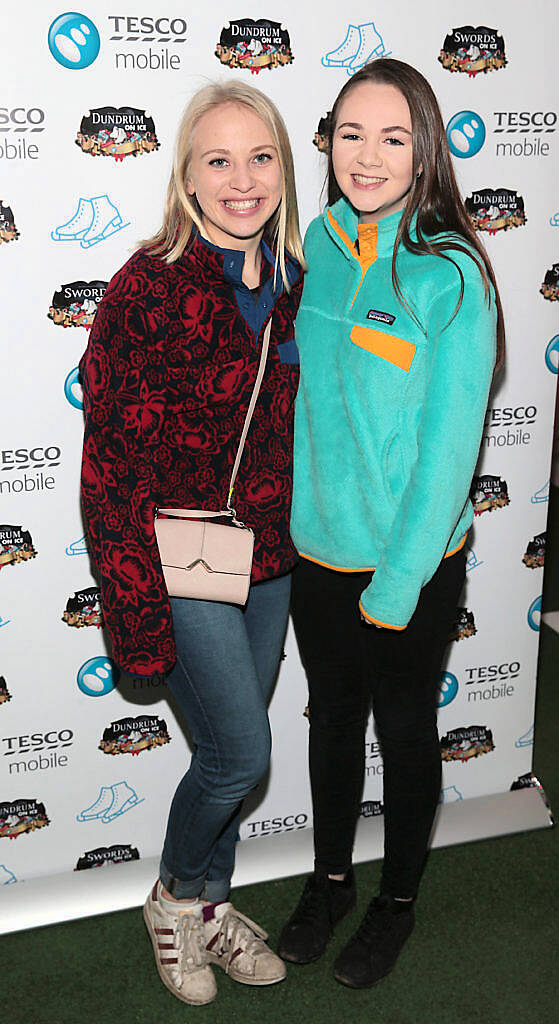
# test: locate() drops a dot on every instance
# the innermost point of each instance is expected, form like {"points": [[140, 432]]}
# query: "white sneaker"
{"points": [[237, 944], [180, 950]]}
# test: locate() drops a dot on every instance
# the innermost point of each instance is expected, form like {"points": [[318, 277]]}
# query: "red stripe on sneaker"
{"points": [[213, 941], [236, 953], [164, 931], [169, 959], [165, 945]]}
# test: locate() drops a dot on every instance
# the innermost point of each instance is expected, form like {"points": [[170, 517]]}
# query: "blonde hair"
{"points": [[182, 211]]}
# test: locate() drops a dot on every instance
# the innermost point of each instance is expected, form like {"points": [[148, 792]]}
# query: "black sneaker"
{"points": [[324, 903], [372, 952]]}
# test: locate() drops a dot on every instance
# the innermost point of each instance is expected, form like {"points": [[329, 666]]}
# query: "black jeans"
{"points": [[347, 663]]}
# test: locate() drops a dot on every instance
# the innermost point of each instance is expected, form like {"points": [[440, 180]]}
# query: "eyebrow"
{"points": [[392, 128], [227, 152]]}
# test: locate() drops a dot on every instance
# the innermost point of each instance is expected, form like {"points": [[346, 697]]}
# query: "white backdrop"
{"points": [[86, 133]]}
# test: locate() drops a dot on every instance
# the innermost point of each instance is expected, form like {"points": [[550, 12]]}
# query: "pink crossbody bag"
{"points": [[206, 560]]}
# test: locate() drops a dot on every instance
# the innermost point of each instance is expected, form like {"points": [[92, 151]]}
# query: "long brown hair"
{"points": [[434, 194], [182, 212]]}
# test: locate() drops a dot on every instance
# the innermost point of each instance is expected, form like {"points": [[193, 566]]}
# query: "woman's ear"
{"points": [[419, 171], [190, 187]]}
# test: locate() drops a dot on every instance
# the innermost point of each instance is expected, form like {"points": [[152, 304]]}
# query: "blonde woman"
{"points": [[167, 376]]}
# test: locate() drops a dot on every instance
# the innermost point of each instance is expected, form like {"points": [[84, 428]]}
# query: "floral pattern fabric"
{"points": [[167, 377]]}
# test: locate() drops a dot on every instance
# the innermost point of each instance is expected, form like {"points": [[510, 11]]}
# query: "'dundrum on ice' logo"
{"points": [[489, 493], [534, 556], [496, 209], [467, 742], [19, 816], [371, 809], [254, 45], [473, 50], [464, 625], [107, 855], [84, 609], [132, 735], [117, 132], [550, 286], [75, 304], [16, 545], [322, 134], [8, 230], [5, 694]]}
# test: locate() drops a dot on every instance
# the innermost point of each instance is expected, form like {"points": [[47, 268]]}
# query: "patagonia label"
{"points": [[377, 314]]}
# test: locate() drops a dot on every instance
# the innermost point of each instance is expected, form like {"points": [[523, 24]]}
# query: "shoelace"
{"points": [[189, 941], [238, 932]]}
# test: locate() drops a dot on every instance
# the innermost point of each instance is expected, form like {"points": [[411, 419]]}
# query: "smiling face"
{"points": [[235, 174], [372, 150]]}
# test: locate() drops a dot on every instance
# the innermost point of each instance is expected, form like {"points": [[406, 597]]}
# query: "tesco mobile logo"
{"points": [[97, 676], [552, 355], [74, 40], [534, 614], [465, 133], [73, 388], [448, 689]]}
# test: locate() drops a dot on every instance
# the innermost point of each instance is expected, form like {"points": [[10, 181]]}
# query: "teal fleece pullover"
{"points": [[389, 413]]}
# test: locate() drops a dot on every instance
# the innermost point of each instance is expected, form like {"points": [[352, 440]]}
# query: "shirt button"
{"points": [[231, 264]]}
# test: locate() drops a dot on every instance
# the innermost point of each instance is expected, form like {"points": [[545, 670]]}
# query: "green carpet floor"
{"points": [[485, 948]]}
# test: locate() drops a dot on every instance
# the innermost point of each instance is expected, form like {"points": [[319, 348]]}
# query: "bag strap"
{"points": [[250, 410], [199, 513]]}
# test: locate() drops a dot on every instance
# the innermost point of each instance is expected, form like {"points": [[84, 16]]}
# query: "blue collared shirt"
{"points": [[255, 305]]}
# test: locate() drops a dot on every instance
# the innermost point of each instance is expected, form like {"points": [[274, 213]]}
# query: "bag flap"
{"points": [[185, 543]]}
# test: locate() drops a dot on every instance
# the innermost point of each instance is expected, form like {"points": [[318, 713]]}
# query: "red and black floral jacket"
{"points": [[167, 377]]}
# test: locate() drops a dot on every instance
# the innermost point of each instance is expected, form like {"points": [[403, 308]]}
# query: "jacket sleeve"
{"points": [[461, 357], [123, 407]]}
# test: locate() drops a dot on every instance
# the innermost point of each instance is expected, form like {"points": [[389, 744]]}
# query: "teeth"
{"points": [[361, 179], [241, 204]]}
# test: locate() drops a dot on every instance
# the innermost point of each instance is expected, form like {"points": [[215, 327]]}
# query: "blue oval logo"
{"points": [[465, 133], [97, 677], [534, 614], [552, 355], [74, 40], [73, 388], [448, 689]]}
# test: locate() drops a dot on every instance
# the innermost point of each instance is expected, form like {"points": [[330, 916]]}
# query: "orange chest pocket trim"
{"points": [[394, 350]]}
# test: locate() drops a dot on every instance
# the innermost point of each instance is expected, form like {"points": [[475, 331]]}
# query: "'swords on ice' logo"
{"points": [[97, 676], [74, 40], [465, 133]]}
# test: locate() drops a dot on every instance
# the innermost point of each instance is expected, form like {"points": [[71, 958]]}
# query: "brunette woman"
{"points": [[398, 331], [167, 375]]}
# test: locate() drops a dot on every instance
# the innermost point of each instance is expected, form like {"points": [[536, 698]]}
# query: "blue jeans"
{"points": [[227, 660]]}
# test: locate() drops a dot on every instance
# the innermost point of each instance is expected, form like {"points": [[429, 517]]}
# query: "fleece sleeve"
{"points": [[461, 357], [123, 404]]}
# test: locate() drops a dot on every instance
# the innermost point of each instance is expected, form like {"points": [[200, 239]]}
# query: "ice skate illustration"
{"points": [[361, 44], [541, 495], [346, 51], [526, 740], [371, 45], [94, 220], [7, 877], [472, 561], [77, 547], [450, 795], [112, 802]]}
